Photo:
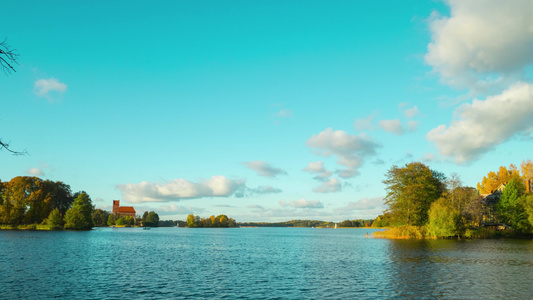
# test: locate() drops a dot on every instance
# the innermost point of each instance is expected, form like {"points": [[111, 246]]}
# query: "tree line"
{"points": [[425, 203], [28, 202], [218, 221]]}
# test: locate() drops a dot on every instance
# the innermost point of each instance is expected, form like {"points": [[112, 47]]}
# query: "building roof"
{"points": [[126, 209]]}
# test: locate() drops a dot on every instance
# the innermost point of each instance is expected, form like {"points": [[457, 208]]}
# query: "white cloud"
{"points": [[284, 113], [47, 87], [318, 168], [364, 204], [302, 203], [429, 157], [315, 167], [282, 203], [264, 169], [255, 206], [180, 210], [261, 190], [479, 39], [482, 125], [331, 186], [365, 124], [367, 208], [350, 150], [412, 112], [178, 189], [412, 125], [35, 172], [393, 126]]}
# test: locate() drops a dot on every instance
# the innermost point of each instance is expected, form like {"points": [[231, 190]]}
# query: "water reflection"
{"points": [[461, 269]]}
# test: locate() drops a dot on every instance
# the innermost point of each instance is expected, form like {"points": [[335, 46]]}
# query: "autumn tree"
{"points": [[526, 168], [191, 221], [410, 192], [490, 182]]}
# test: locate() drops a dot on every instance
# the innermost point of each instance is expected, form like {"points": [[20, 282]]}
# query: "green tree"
{"points": [[125, 220], [54, 219], [444, 219], [100, 217], [111, 220], [510, 211], [410, 192], [527, 204], [144, 217], [152, 219], [346, 223], [79, 216]]}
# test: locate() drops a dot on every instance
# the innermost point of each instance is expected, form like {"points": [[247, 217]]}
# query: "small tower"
{"points": [[116, 205]]}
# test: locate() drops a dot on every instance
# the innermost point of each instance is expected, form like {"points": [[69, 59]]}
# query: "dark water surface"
{"points": [[257, 263]]}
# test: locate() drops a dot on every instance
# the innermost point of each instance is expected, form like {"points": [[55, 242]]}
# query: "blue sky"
{"points": [[263, 110]]}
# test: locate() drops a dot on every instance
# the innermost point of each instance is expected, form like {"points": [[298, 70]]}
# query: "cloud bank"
{"points": [[480, 38], [482, 125], [179, 189], [484, 46], [302, 203]]}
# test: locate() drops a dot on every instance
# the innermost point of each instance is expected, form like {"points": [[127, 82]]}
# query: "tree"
{"points": [[222, 220], [8, 57], [527, 204], [410, 192], [100, 217], [111, 220], [54, 219], [152, 219], [144, 217], [346, 223], [444, 218], [490, 182], [191, 221], [79, 216], [509, 209], [526, 168], [125, 220]]}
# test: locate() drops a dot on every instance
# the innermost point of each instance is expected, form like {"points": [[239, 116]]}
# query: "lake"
{"points": [[257, 263]]}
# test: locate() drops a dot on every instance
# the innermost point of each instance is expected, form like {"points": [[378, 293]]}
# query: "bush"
{"points": [[402, 232]]}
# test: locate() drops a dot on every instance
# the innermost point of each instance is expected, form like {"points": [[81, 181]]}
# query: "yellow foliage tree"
{"points": [[527, 169], [493, 180]]}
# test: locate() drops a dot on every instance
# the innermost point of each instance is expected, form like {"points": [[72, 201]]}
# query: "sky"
{"points": [[263, 110]]}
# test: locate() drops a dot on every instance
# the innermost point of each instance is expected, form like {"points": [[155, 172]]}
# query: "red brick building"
{"points": [[122, 210]]}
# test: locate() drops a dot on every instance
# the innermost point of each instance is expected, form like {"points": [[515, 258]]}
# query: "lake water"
{"points": [[257, 263]]}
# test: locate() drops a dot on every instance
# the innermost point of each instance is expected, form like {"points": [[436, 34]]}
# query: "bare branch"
{"points": [[6, 146], [8, 57]]}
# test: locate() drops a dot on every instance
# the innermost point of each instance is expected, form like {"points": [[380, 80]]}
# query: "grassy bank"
{"points": [[28, 227], [417, 232]]}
